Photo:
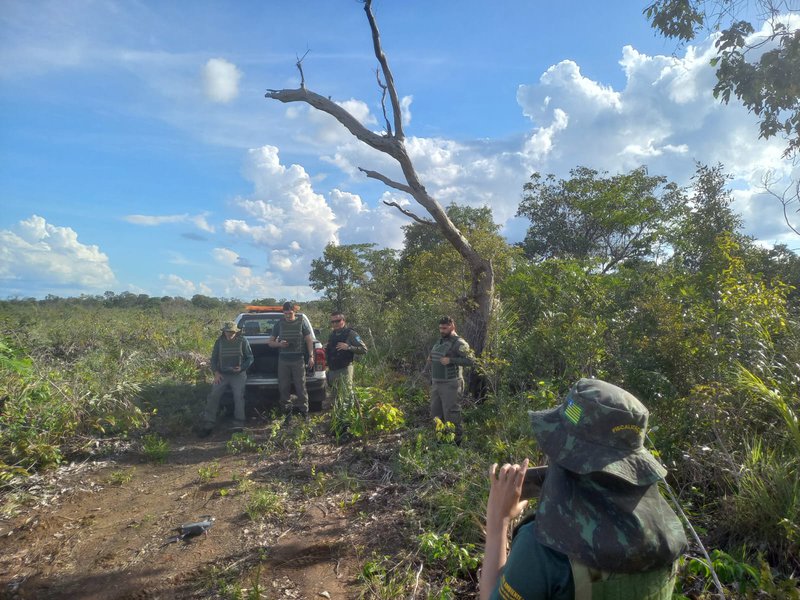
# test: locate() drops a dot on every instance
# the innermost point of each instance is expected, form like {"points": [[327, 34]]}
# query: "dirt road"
{"points": [[288, 523]]}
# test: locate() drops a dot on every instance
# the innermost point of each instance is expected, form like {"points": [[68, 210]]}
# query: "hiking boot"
{"points": [[237, 427], [204, 430]]}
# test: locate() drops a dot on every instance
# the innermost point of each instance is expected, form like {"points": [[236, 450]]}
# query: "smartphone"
{"points": [[532, 484]]}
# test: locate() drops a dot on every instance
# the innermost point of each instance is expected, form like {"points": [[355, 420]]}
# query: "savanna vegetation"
{"points": [[626, 277]]}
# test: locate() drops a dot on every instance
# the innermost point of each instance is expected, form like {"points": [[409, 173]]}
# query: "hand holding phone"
{"points": [[532, 484]]}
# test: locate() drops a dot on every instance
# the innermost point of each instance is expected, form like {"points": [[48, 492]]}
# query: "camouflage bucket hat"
{"points": [[230, 326], [599, 428], [608, 523]]}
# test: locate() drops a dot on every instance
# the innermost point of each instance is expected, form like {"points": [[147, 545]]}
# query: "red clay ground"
{"points": [[82, 536]]}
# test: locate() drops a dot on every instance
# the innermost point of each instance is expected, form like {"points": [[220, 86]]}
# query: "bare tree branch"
{"points": [[383, 102], [408, 213], [390, 182], [480, 298], [379, 142], [387, 73], [787, 197], [299, 65]]}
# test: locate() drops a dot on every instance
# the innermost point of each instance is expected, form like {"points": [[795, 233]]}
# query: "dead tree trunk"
{"points": [[479, 303]]}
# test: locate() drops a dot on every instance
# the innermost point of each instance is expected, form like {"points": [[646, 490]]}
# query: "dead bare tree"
{"points": [[477, 305], [789, 198]]}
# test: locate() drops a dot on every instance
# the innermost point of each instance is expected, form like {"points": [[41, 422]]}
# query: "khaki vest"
{"points": [[592, 584], [230, 353], [292, 332]]}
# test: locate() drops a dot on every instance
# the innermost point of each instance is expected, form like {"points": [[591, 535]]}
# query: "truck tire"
{"points": [[316, 399]]}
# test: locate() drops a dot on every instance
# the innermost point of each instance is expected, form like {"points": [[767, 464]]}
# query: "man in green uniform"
{"points": [[447, 358], [343, 345], [290, 335], [230, 359], [601, 529]]}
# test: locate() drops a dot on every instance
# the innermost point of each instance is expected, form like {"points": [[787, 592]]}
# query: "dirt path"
{"points": [[86, 537]]}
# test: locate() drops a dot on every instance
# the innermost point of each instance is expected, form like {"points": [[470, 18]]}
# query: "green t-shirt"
{"points": [[534, 571]]}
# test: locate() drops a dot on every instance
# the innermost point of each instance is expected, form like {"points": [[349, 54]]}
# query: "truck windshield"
{"points": [[258, 325]]}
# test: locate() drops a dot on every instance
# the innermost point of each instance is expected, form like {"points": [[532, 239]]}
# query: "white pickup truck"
{"points": [[262, 377]]}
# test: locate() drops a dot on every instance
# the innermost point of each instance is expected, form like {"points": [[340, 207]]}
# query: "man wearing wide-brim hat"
{"points": [[601, 529], [230, 359]]}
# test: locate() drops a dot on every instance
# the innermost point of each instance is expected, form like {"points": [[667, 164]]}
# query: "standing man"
{"points": [[343, 345], [290, 334], [447, 357], [230, 359]]}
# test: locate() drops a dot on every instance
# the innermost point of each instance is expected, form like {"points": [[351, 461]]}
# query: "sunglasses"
{"points": [[336, 320]]}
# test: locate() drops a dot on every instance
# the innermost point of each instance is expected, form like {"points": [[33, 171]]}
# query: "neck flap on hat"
{"points": [[607, 523]]}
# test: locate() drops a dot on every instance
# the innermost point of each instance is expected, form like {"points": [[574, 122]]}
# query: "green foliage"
{"points": [[155, 448], [590, 216], [370, 411], [263, 503], [760, 70], [729, 570], [208, 472], [445, 431], [342, 268], [120, 477], [764, 510], [384, 578], [241, 442], [441, 550]]}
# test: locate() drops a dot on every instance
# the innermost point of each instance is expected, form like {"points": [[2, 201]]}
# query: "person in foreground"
{"points": [[230, 359], [601, 528]]}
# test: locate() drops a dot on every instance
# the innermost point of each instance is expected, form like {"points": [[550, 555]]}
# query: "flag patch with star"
{"points": [[573, 411]]}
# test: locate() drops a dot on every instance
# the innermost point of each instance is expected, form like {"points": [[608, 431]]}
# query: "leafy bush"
{"points": [[263, 504], [441, 550], [155, 448], [370, 411]]}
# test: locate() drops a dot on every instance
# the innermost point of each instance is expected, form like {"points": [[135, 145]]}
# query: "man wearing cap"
{"points": [[230, 359], [343, 345], [601, 527], [290, 334], [448, 355]]}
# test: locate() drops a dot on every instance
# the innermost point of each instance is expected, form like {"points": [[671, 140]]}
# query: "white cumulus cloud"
{"points": [[221, 80], [48, 256], [175, 285]]}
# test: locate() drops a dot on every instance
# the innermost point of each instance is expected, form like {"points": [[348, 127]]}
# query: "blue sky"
{"points": [[138, 153]]}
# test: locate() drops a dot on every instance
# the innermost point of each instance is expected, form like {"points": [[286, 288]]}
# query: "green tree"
{"points": [[421, 237], [706, 216], [762, 70], [593, 216], [354, 270]]}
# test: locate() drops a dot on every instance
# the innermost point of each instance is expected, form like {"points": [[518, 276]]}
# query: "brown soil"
{"points": [[81, 536]]}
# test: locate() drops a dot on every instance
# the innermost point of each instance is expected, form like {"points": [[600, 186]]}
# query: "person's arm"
{"points": [[503, 506], [247, 355], [310, 346], [463, 355], [273, 342], [309, 338], [356, 344], [215, 366]]}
